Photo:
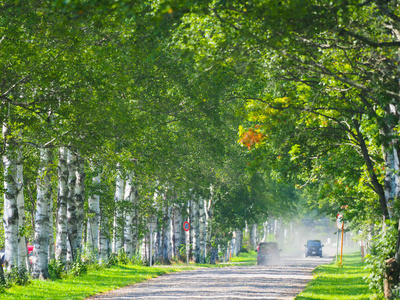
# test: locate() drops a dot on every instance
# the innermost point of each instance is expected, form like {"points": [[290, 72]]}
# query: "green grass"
{"points": [[245, 259], [334, 282], [100, 280], [94, 282]]}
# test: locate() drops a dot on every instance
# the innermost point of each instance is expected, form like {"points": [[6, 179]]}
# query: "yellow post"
{"points": [[341, 246]]}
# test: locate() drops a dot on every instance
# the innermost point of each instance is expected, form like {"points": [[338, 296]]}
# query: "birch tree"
{"points": [[23, 262], [129, 200], [94, 216], [72, 229], [79, 198], [42, 217], [10, 214], [118, 227], [61, 236]]}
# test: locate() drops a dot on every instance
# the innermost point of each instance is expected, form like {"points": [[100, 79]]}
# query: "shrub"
{"points": [[382, 248], [56, 268]]}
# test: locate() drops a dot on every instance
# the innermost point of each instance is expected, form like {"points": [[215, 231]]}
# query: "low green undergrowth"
{"points": [[339, 283]]}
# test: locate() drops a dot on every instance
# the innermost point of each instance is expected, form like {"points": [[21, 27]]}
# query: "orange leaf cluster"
{"points": [[251, 137]]}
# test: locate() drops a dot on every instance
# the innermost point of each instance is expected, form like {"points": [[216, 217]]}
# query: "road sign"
{"points": [[186, 226], [339, 220]]}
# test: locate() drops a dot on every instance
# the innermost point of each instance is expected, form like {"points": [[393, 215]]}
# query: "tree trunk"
{"points": [[177, 237], [42, 217], [202, 232], [80, 200], [166, 236], [51, 254], [94, 217], [10, 214], [118, 232], [104, 236], [72, 229], [129, 211], [23, 262], [61, 238], [253, 236]]}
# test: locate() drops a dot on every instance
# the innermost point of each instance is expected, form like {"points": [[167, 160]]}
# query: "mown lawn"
{"points": [[334, 282]]}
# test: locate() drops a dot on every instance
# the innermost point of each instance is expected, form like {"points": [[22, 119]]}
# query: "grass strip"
{"points": [[98, 280], [335, 282]]}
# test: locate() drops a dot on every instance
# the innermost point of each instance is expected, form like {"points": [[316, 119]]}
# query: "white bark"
{"points": [[61, 238], [10, 214], [72, 229], [253, 236], [42, 217], [80, 199], [193, 231], [23, 262], [129, 214], [202, 232], [166, 235], [94, 217], [103, 237], [51, 254], [177, 236], [118, 215]]}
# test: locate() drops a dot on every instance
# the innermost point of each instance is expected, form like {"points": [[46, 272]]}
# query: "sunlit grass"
{"points": [[334, 282], [94, 282]]}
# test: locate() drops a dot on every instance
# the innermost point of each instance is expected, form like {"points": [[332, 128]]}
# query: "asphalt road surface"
{"points": [[283, 281]]}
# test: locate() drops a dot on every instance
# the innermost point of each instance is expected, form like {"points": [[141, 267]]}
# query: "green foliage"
{"points": [[118, 258], [383, 247], [56, 269], [18, 276]]}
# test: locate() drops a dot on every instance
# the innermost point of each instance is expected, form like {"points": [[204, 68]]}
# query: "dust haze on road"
{"points": [[282, 281]]}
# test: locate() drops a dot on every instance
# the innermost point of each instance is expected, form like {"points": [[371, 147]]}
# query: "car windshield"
{"points": [[267, 247], [314, 243]]}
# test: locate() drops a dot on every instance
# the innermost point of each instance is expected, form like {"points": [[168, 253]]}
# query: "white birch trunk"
{"points": [[129, 198], [80, 199], [253, 236], [10, 214], [61, 238], [118, 229], [72, 229], [42, 217], [94, 217], [166, 235], [135, 222], [23, 262], [52, 254], [177, 236], [265, 229], [202, 232], [196, 232], [104, 237]]}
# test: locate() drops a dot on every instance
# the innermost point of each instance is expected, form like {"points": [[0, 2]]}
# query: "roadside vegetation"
{"points": [[335, 282]]}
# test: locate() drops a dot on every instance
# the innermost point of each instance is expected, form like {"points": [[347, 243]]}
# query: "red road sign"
{"points": [[186, 226]]}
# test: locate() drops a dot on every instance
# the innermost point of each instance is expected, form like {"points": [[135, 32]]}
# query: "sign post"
{"points": [[340, 225], [186, 227]]}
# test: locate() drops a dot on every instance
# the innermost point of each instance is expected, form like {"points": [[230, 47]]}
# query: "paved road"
{"points": [[282, 281]]}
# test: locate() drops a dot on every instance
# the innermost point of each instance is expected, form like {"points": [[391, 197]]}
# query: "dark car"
{"points": [[268, 253], [314, 248]]}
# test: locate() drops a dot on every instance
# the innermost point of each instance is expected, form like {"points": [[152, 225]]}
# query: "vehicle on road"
{"points": [[313, 248], [268, 253]]}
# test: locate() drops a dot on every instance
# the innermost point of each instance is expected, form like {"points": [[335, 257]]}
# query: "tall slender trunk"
{"points": [[129, 211], [177, 236], [72, 229], [253, 236], [51, 254], [23, 262], [10, 214], [118, 233], [61, 238], [196, 232], [135, 222], [104, 236], [166, 235], [202, 232], [42, 217], [94, 216], [79, 198]]}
